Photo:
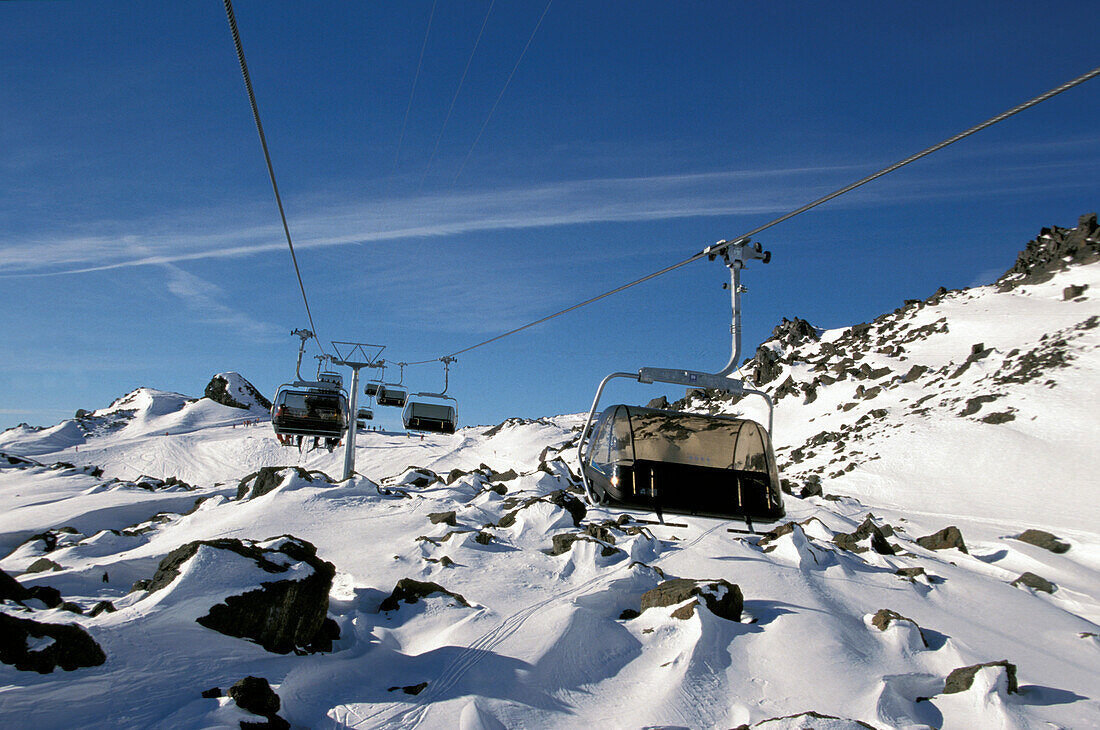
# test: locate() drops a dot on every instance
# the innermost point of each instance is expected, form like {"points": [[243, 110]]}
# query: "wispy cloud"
{"points": [[203, 298], [195, 236], [435, 215]]}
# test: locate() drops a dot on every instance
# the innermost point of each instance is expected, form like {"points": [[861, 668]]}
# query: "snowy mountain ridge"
{"points": [[939, 565]]}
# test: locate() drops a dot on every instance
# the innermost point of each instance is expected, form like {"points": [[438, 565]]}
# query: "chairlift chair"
{"points": [[684, 463], [310, 408], [365, 414], [393, 394], [680, 462], [428, 416]]}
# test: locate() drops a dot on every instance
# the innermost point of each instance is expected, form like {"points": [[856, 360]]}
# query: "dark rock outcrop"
{"points": [[793, 332], [1073, 291], [1038, 582], [1043, 539], [410, 689], [962, 679], [884, 617], [867, 529], [411, 591], [259, 483], [563, 542], [766, 366], [660, 403], [558, 497], [807, 720], [41, 565], [218, 390], [254, 694], [721, 597], [1054, 249], [948, 537], [50, 646], [447, 518], [282, 615]]}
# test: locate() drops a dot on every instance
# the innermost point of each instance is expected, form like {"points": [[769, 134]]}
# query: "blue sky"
{"points": [[140, 243]]}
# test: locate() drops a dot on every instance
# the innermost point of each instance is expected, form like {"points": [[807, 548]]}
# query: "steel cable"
{"points": [[267, 157], [848, 188]]}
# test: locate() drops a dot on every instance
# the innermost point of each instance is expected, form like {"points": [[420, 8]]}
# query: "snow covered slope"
{"points": [[974, 410]]}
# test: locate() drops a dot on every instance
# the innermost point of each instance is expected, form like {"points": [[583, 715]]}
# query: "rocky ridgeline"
{"points": [[1053, 250], [870, 359]]}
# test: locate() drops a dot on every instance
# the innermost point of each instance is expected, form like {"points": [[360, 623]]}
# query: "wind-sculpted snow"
{"points": [[937, 568]]}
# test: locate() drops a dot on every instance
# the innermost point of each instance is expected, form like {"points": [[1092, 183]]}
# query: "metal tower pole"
{"points": [[353, 421]]}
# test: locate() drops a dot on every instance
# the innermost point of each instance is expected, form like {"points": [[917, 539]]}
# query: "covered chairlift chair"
{"points": [[420, 415], [373, 385], [393, 394], [686, 463], [311, 408]]}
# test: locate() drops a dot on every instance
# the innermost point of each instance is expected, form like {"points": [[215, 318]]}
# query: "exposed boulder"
{"points": [[33, 646], [660, 403], [914, 373], [11, 589], [259, 483], [411, 591], [282, 615], [962, 679], [1031, 580], [254, 694], [558, 497], [721, 597], [447, 518], [884, 617], [867, 529], [563, 542], [231, 389], [948, 537], [42, 565], [410, 689], [807, 721], [1043, 539], [1073, 291]]}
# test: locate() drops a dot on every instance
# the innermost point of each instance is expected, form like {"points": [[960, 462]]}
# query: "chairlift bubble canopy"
{"points": [[310, 408], [430, 417], [389, 394], [683, 463]]}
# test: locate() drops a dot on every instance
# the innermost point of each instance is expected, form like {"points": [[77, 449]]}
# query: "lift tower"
{"points": [[355, 355]]}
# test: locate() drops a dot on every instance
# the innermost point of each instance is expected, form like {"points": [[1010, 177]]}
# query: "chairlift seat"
{"points": [[372, 389], [365, 414], [683, 463]]}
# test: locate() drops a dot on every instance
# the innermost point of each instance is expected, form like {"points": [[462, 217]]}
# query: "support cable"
{"points": [[416, 78], [267, 157], [848, 188], [458, 91], [501, 95]]}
